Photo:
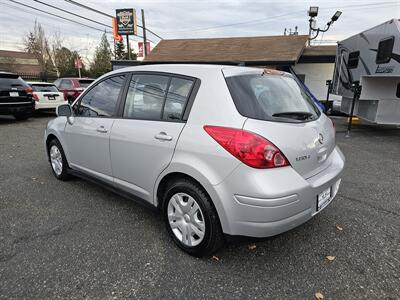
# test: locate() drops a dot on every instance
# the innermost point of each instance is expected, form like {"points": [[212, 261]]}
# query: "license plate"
{"points": [[323, 198], [14, 94], [52, 98]]}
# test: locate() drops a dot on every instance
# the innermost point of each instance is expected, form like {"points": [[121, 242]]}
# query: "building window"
{"points": [[398, 91], [385, 48], [353, 60]]}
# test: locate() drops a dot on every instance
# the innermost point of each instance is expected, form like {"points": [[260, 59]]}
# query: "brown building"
{"points": [[22, 63]]}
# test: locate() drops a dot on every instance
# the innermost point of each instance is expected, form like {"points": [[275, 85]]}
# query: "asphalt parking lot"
{"points": [[75, 240]]}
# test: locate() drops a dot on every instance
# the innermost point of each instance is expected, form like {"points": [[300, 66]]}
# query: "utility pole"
{"points": [[144, 35], [128, 47]]}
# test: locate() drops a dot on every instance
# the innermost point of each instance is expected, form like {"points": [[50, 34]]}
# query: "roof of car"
{"points": [[77, 78], [42, 83], [7, 73], [190, 69]]}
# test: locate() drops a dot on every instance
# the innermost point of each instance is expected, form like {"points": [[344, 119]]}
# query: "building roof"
{"points": [[249, 50], [318, 54], [327, 50], [19, 62]]}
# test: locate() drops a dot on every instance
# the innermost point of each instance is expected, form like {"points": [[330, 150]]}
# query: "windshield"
{"points": [[271, 97], [84, 83], [44, 88]]}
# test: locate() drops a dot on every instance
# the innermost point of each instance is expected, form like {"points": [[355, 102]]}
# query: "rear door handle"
{"points": [[162, 136], [102, 129]]}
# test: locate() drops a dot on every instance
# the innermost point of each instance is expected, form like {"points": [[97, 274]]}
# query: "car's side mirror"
{"points": [[64, 110]]}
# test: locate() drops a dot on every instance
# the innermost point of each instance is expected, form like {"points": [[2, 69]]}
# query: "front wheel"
{"points": [[191, 218], [58, 161]]}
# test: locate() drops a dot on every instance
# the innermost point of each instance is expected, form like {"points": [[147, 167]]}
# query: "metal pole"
{"points": [[115, 50], [128, 47], [309, 31], [329, 84], [356, 95], [144, 35], [78, 60]]}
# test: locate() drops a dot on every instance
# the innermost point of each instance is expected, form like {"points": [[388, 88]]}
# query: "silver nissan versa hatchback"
{"points": [[219, 150]]}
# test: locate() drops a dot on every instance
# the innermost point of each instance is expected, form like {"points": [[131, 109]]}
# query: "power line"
{"points": [[27, 11], [105, 14], [71, 13], [49, 13], [263, 20], [77, 15]]}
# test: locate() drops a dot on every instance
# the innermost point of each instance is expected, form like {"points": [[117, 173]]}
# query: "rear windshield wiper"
{"points": [[298, 115]]}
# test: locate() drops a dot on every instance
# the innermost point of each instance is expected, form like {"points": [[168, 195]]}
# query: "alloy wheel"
{"points": [[56, 160]]}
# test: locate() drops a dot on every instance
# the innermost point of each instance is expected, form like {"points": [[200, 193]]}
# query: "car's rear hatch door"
{"points": [[306, 145], [12, 89]]}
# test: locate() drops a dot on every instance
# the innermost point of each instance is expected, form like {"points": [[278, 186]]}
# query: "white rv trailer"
{"points": [[371, 57]]}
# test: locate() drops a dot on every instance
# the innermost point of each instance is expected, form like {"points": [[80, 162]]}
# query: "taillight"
{"points": [[250, 148], [28, 90], [35, 96]]}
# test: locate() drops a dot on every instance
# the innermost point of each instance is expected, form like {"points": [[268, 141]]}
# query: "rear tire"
{"points": [[191, 218], [58, 161]]}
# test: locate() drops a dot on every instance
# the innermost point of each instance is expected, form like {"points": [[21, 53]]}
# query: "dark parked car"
{"points": [[72, 87], [15, 97]]}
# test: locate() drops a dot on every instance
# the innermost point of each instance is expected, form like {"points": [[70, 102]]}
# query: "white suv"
{"points": [[220, 150]]}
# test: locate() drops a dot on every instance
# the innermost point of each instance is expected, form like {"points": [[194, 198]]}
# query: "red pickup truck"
{"points": [[72, 87]]}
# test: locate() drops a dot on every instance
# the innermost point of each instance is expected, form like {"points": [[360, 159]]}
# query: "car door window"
{"points": [[101, 100], [145, 97], [66, 84], [178, 93]]}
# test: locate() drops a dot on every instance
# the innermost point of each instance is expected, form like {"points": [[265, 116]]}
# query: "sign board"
{"points": [[126, 21], [78, 63], [141, 49]]}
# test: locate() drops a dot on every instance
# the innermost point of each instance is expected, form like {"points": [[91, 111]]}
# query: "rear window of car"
{"points": [[271, 98], [85, 82], [44, 88], [12, 82]]}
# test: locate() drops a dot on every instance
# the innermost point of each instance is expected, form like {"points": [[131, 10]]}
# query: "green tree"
{"points": [[133, 55], [102, 58], [64, 60], [120, 50]]}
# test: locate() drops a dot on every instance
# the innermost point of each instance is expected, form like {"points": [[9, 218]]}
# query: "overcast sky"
{"points": [[193, 19]]}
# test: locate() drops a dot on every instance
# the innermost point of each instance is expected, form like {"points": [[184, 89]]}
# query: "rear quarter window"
{"points": [[264, 97], [44, 88], [12, 82]]}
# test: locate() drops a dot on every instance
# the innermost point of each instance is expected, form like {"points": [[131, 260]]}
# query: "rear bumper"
{"points": [[47, 106], [262, 203], [16, 108]]}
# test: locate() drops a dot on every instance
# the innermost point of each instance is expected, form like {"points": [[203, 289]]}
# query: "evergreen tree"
{"points": [[133, 55], [65, 61], [120, 50], [102, 58]]}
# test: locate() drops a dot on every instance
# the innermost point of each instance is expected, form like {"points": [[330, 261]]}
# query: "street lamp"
{"points": [[312, 13]]}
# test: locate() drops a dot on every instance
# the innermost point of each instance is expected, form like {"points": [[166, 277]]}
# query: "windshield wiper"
{"points": [[298, 115]]}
